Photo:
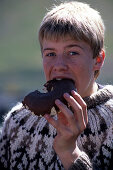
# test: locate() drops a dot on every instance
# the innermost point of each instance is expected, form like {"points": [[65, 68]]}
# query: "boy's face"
{"points": [[67, 58]]}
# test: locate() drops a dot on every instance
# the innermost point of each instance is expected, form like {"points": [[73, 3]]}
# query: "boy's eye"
{"points": [[73, 53], [50, 54]]}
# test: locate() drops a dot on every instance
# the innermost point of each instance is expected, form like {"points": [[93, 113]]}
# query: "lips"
{"points": [[61, 78]]}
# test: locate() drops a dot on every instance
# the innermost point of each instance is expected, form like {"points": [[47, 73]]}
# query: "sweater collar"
{"points": [[103, 94]]}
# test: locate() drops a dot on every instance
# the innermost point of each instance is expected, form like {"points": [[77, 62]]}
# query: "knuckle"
{"points": [[83, 127], [84, 106], [64, 107], [80, 109]]}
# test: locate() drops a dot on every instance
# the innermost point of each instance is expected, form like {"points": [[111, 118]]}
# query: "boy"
{"points": [[71, 37]]}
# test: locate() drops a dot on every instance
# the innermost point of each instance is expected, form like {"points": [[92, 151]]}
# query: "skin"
{"points": [[67, 58]]}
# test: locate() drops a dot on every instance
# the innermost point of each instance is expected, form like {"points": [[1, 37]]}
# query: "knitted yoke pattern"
{"points": [[26, 140]]}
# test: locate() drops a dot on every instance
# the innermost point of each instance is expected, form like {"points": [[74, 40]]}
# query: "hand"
{"points": [[68, 130]]}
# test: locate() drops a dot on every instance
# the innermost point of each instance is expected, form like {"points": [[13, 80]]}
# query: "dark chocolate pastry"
{"points": [[42, 103]]}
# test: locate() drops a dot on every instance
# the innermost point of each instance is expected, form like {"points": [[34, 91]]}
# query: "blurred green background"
{"points": [[20, 57]]}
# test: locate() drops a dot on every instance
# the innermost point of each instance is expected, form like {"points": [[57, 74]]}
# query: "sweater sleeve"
{"points": [[4, 147], [82, 163]]}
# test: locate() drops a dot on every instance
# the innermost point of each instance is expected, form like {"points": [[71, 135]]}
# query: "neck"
{"points": [[91, 90]]}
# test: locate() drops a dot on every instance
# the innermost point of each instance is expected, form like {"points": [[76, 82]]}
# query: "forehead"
{"points": [[57, 38], [66, 42]]}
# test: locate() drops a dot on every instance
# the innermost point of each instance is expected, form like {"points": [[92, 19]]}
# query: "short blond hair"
{"points": [[76, 19]]}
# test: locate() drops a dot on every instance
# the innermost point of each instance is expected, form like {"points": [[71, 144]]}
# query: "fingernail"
{"points": [[57, 101], [66, 95], [73, 92]]}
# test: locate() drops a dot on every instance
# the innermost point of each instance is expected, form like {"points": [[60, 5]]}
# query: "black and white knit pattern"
{"points": [[26, 140]]}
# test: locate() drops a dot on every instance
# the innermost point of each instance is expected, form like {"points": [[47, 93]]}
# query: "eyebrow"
{"points": [[45, 49], [68, 46], [74, 45]]}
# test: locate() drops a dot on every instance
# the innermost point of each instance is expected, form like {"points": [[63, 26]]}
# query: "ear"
{"points": [[99, 60]]}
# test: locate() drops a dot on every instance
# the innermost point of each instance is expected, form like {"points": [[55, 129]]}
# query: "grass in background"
{"points": [[20, 57]]}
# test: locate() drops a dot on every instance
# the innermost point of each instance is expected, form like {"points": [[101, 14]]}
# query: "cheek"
{"points": [[47, 68], [83, 69], [44, 64]]}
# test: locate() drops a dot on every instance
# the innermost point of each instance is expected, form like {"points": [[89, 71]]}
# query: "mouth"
{"points": [[61, 78], [63, 83]]}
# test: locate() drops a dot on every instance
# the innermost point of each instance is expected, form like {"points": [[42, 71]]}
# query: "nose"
{"points": [[60, 64]]}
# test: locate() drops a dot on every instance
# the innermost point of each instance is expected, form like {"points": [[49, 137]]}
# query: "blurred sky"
{"points": [[20, 58]]}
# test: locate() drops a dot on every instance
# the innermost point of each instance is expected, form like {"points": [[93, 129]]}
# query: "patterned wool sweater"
{"points": [[26, 140]]}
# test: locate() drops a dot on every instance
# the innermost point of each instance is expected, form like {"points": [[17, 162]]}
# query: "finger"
{"points": [[55, 123], [62, 118], [67, 112], [52, 121], [82, 103], [74, 125], [78, 111]]}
